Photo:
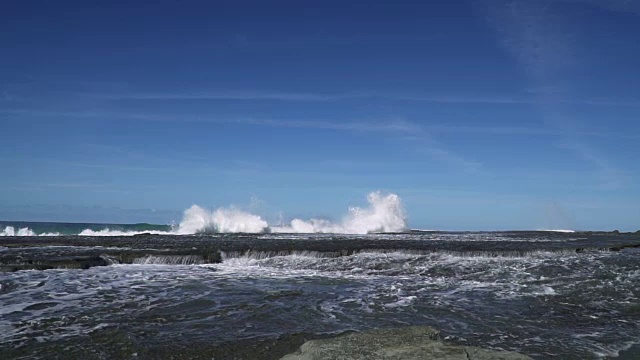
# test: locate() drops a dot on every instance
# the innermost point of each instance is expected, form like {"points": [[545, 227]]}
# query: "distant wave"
{"points": [[384, 213], [108, 232], [559, 231], [11, 231]]}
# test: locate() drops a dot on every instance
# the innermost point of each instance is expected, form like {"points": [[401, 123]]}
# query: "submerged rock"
{"points": [[412, 342]]}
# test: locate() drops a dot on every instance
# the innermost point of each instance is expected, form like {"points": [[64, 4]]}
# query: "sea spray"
{"points": [[11, 231], [384, 213], [223, 220]]}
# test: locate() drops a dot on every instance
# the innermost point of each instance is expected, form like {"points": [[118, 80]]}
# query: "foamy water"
{"points": [[534, 293]]}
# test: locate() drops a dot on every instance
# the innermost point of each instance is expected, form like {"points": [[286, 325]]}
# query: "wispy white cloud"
{"points": [[418, 136], [381, 125], [527, 131], [610, 177], [237, 95], [102, 188], [542, 42], [454, 160], [452, 98], [389, 125], [621, 6], [413, 133], [376, 125], [122, 167], [534, 35], [105, 187]]}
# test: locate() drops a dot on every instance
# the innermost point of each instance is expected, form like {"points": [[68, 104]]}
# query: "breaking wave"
{"points": [[384, 213], [200, 220], [11, 231]]}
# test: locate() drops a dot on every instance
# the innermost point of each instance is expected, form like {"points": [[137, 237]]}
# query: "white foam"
{"points": [[560, 231], [11, 231]]}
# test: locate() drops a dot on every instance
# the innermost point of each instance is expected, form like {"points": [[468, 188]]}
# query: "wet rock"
{"points": [[62, 262], [412, 342], [24, 253]]}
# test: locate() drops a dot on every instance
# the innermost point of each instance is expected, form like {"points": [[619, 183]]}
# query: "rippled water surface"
{"points": [[545, 302]]}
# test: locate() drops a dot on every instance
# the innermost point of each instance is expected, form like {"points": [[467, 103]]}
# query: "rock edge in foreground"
{"points": [[406, 343]]}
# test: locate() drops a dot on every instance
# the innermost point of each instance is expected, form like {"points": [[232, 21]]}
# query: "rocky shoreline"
{"points": [[80, 252]]}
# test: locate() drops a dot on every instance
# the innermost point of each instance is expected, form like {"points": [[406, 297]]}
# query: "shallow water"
{"points": [[532, 293]]}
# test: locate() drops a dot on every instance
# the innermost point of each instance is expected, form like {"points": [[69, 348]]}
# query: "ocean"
{"points": [[159, 294]]}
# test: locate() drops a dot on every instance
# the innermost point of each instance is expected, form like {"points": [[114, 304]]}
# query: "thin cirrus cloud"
{"points": [[526, 131], [622, 6], [372, 95], [398, 126], [412, 133], [544, 44], [235, 95], [417, 136]]}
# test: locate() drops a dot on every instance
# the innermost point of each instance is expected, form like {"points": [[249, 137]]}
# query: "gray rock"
{"points": [[406, 343]]}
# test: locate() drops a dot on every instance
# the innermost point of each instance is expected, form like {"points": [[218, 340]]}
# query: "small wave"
{"points": [[560, 231], [108, 232], [170, 260]]}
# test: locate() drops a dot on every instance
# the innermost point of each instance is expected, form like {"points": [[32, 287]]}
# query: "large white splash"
{"points": [[222, 220], [385, 213], [11, 231]]}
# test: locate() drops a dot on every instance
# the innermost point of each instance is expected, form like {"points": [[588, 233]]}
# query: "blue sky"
{"points": [[479, 114]]}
